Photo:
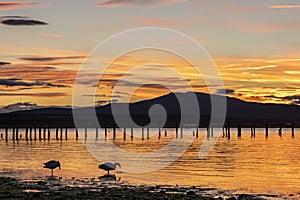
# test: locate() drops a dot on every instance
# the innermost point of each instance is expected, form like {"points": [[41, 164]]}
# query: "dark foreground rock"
{"points": [[11, 188]]}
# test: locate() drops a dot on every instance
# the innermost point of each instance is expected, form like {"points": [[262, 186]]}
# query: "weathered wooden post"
{"points": [[6, 134], [97, 133], [44, 133], [280, 130], [35, 133], [124, 134], [181, 132], [30, 133], [40, 133], [17, 133], [114, 133], [148, 131], [61, 133], [208, 132], [56, 135], [66, 133], [159, 133], [267, 130], [13, 133], [76, 130], [85, 133], [239, 130], [26, 133], [49, 134], [228, 131]]}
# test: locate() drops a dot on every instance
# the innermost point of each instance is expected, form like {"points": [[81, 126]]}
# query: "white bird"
{"points": [[107, 166], [52, 164]]}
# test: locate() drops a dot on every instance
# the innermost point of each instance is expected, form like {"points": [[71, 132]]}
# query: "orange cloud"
{"points": [[285, 6], [118, 3], [52, 35], [6, 5], [160, 22]]}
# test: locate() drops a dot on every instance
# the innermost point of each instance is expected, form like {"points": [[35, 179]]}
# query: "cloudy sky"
{"points": [[255, 45]]}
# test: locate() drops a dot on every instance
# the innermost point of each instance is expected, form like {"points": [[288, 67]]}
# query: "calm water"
{"points": [[248, 164]]}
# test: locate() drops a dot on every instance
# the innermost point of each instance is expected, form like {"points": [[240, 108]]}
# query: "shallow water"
{"points": [[249, 164]]}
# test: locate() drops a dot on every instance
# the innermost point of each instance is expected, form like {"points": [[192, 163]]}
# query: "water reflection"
{"points": [[247, 164]]}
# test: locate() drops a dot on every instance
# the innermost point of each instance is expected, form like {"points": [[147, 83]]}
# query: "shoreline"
{"points": [[95, 188]]}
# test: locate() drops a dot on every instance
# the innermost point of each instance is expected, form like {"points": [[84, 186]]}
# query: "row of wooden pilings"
{"points": [[44, 133]]}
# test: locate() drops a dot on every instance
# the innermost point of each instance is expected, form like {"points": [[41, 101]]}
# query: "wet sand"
{"points": [[95, 188]]}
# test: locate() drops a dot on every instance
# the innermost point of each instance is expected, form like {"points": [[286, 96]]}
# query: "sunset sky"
{"points": [[255, 45]]}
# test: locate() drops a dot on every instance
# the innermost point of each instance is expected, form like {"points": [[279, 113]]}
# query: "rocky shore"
{"points": [[55, 188]]}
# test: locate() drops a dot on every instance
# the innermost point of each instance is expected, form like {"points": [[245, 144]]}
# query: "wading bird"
{"points": [[107, 166], [52, 164]]}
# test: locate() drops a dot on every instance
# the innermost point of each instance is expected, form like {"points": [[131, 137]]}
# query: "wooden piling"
{"points": [[40, 133], [159, 133], [148, 133], [181, 132], [6, 134], [56, 134], [61, 133], [35, 133], [239, 130], [76, 130], [228, 131], [49, 133], [124, 134], [17, 134], [280, 130], [44, 133], [85, 133], [66, 134], [26, 133], [30, 133], [13, 134], [208, 132], [114, 133]]}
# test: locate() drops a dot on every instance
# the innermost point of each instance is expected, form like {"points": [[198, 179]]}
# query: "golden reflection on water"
{"points": [[248, 164]]}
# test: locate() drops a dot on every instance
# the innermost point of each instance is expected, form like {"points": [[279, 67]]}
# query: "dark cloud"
{"points": [[18, 82], [23, 22], [227, 91], [18, 106], [4, 63], [294, 99], [43, 59], [13, 17]]}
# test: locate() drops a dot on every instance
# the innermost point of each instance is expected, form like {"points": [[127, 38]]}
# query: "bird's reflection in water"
{"points": [[109, 178]]}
